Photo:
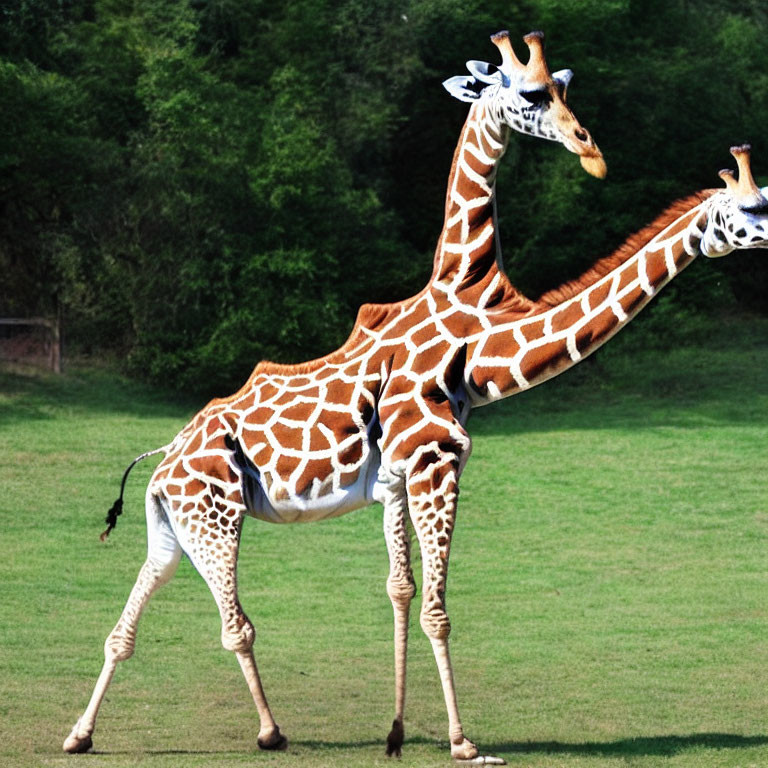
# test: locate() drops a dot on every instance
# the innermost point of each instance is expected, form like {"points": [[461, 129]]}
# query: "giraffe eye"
{"points": [[755, 209], [536, 97]]}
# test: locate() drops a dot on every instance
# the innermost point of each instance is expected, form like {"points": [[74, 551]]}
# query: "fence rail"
{"points": [[54, 326]]}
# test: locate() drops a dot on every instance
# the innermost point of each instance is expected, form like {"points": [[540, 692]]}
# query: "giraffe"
{"points": [[526, 98], [412, 379], [534, 341], [250, 454]]}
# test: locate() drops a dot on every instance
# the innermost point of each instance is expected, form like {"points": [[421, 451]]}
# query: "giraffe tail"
{"points": [[117, 508]]}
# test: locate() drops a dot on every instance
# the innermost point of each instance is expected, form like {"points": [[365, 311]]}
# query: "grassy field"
{"points": [[608, 588]]}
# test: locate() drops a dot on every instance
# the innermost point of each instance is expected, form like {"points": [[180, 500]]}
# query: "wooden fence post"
{"points": [[54, 327]]}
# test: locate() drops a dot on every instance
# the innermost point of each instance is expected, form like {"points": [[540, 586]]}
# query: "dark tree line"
{"points": [[200, 184]]}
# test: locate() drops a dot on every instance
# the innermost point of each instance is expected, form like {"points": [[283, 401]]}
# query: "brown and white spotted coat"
{"points": [[381, 419], [384, 419]]}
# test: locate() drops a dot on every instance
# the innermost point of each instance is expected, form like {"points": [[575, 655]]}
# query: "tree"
{"points": [[205, 183]]}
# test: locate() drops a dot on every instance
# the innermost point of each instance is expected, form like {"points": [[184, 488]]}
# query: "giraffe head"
{"points": [[528, 98], [737, 215]]}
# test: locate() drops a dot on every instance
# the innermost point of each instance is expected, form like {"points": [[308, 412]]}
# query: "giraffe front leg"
{"points": [[432, 497], [401, 589]]}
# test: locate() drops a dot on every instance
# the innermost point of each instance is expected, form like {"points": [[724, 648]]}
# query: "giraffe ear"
{"points": [[562, 78], [461, 87], [486, 73]]}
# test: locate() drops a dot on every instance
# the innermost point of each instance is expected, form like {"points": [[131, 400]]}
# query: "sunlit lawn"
{"points": [[608, 588]]}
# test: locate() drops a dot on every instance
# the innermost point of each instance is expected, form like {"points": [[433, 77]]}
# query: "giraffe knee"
{"points": [[436, 624], [401, 590], [120, 645], [238, 636]]}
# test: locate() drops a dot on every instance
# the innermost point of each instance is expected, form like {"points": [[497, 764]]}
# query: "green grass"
{"points": [[608, 588]]}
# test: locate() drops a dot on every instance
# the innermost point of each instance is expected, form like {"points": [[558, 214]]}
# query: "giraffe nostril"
{"points": [[581, 134]]}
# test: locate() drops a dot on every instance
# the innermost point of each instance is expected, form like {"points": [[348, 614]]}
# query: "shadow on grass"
{"points": [[645, 746], [659, 746], [158, 752]]}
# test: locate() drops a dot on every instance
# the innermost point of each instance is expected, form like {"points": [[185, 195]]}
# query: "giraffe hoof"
{"points": [[395, 740], [463, 750], [274, 742], [77, 745]]}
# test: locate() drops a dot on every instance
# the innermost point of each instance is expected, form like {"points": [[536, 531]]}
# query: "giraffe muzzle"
{"points": [[589, 153], [578, 140], [594, 164]]}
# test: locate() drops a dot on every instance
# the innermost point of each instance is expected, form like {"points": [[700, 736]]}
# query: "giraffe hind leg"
{"points": [[163, 554], [213, 548]]}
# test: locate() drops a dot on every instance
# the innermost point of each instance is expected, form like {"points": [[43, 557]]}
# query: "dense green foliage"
{"points": [[607, 613], [201, 184]]}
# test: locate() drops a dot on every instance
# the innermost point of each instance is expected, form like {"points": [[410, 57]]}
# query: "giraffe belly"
{"points": [[306, 508]]}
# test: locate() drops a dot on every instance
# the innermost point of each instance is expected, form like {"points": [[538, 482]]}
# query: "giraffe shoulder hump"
{"points": [[371, 316]]}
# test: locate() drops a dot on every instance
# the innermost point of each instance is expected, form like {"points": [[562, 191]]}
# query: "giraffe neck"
{"points": [[468, 250], [518, 352]]}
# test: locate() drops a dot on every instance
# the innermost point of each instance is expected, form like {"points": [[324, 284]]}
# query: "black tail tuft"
{"points": [[117, 508], [114, 512]]}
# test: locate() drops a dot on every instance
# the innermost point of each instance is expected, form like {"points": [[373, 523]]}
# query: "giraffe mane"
{"points": [[371, 316], [623, 253]]}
